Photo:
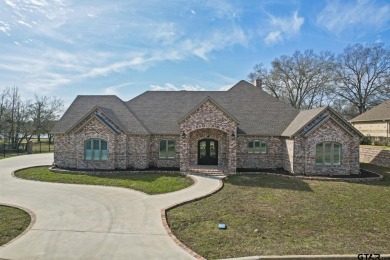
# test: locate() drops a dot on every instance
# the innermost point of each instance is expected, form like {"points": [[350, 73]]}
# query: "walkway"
{"points": [[90, 222]]}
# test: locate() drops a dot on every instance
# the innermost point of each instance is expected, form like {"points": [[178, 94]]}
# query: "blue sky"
{"points": [[68, 47]]}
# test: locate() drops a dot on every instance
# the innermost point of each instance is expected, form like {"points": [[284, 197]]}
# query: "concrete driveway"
{"points": [[90, 222]]}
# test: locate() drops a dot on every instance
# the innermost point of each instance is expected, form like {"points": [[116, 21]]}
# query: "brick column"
{"points": [[232, 161], [184, 153]]}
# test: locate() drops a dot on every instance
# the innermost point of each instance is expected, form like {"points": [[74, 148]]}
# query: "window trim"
{"points": [[100, 151], [331, 154], [166, 157], [252, 150]]}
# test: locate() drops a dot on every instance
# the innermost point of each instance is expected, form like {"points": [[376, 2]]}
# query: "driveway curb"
{"points": [[28, 228], [311, 257], [168, 229]]}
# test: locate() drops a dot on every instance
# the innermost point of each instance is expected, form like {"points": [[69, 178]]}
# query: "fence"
{"points": [[42, 146]]}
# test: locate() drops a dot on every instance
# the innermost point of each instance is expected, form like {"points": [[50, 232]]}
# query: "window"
{"points": [[167, 149], [95, 150], [257, 146], [328, 153]]}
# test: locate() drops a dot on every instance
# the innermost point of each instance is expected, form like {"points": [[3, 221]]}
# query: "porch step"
{"points": [[206, 171]]}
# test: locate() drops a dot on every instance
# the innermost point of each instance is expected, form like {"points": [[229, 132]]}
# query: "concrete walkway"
{"points": [[90, 222]]}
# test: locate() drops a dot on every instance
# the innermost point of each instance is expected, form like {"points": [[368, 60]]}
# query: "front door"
{"points": [[208, 152]]}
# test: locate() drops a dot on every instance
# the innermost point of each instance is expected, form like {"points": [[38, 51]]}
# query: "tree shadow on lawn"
{"points": [[269, 181]]}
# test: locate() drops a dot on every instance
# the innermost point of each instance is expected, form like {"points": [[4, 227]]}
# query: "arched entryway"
{"points": [[207, 152]]}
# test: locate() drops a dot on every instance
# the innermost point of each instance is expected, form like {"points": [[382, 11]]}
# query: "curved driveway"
{"points": [[90, 222]]}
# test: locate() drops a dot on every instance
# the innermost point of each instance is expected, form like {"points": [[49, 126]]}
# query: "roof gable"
{"points": [[212, 101], [111, 106], [102, 115], [309, 120]]}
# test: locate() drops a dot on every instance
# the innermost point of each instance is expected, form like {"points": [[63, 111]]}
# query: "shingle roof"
{"points": [[303, 118], [112, 106], [258, 112], [378, 113]]}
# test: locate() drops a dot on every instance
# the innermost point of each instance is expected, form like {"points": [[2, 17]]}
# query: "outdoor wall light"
{"points": [[183, 135], [233, 134]]}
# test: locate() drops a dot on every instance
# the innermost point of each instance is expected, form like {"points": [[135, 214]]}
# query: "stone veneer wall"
{"points": [[375, 156], [154, 147], [208, 116], [273, 158], [305, 149]]}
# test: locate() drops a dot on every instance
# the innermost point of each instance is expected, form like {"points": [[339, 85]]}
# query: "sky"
{"points": [[66, 48]]}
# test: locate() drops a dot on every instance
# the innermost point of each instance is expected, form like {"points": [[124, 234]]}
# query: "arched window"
{"points": [[95, 150], [257, 146], [328, 153]]}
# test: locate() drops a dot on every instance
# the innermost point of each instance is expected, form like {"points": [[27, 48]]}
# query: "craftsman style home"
{"points": [[243, 127]]}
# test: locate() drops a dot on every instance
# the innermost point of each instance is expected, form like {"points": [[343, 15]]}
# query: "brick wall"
{"points": [[375, 156], [272, 159], [305, 150], [154, 160], [208, 121]]}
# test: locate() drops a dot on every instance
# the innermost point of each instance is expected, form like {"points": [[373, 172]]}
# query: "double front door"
{"points": [[207, 152]]}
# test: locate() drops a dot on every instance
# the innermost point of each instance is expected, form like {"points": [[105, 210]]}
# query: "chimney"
{"points": [[258, 83]]}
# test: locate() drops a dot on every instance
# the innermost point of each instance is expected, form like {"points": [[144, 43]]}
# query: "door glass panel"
{"points": [[212, 149], [202, 149]]}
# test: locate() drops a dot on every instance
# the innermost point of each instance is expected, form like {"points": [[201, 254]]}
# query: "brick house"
{"points": [[243, 127]]}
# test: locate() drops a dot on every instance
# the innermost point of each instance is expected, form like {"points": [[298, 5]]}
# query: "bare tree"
{"points": [[44, 112], [304, 79], [21, 120], [363, 75]]}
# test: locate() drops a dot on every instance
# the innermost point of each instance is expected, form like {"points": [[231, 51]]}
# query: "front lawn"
{"points": [[13, 222], [275, 215], [150, 183]]}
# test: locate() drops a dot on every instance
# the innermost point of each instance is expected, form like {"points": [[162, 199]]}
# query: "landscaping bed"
{"points": [[13, 222], [275, 215], [150, 183]]}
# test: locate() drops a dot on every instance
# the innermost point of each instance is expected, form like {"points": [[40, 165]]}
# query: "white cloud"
{"points": [[172, 87], [273, 37], [114, 90], [358, 17], [282, 28], [5, 27]]}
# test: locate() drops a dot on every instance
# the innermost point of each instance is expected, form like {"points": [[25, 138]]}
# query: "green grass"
{"points": [[13, 222], [150, 183], [274, 215]]}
